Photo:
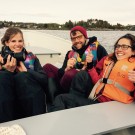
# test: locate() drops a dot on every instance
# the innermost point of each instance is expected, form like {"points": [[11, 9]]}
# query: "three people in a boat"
{"points": [[88, 75]]}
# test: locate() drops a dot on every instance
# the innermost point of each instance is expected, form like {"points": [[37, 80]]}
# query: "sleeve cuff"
{"points": [[90, 65]]}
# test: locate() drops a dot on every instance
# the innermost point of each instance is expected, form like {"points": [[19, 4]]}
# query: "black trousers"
{"points": [[80, 88], [20, 96], [7, 97]]}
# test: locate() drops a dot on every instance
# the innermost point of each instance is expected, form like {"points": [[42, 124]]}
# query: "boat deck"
{"points": [[110, 118]]}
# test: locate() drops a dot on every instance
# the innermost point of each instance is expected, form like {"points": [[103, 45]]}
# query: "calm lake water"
{"points": [[106, 38]]}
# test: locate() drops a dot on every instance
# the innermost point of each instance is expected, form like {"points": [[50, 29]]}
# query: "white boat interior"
{"points": [[110, 118]]}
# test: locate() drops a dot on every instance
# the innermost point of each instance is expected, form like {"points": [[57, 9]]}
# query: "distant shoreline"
{"points": [[90, 24], [91, 29]]}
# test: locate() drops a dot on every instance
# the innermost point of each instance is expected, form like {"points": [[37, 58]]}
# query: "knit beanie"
{"points": [[81, 29]]}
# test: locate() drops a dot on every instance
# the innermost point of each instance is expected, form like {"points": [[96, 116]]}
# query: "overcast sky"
{"points": [[61, 11]]}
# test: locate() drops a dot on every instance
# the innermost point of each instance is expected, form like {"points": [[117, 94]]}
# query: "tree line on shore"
{"points": [[90, 24]]}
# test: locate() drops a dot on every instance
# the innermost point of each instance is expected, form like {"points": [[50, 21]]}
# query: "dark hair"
{"points": [[10, 32], [132, 41], [73, 32]]}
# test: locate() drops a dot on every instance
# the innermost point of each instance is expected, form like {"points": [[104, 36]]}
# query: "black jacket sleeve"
{"points": [[38, 74], [101, 52], [61, 71]]}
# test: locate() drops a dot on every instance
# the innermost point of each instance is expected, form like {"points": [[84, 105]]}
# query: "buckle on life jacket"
{"points": [[104, 80], [96, 97]]}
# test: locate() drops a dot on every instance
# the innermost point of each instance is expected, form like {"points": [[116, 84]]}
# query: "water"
{"points": [[106, 38]]}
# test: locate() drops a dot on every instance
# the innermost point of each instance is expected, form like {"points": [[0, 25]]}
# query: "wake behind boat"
{"points": [[48, 48]]}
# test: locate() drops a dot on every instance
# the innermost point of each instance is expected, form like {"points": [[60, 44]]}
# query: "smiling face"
{"points": [[123, 49], [78, 39], [15, 43]]}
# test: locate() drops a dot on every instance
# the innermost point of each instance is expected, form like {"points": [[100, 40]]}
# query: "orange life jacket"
{"points": [[117, 86]]}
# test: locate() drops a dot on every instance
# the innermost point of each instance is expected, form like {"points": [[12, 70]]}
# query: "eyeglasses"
{"points": [[78, 37], [123, 47]]}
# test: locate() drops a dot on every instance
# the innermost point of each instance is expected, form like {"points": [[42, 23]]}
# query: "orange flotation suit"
{"points": [[116, 86]]}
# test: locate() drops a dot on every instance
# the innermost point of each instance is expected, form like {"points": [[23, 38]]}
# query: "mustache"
{"points": [[78, 43]]}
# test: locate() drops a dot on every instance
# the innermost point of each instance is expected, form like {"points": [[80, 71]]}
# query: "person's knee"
{"points": [[70, 74], [6, 76], [46, 66], [50, 70], [6, 86], [21, 79], [26, 85], [82, 73], [21, 75]]}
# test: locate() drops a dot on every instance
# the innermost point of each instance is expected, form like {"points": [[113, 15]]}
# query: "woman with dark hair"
{"points": [[22, 79], [113, 79]]}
